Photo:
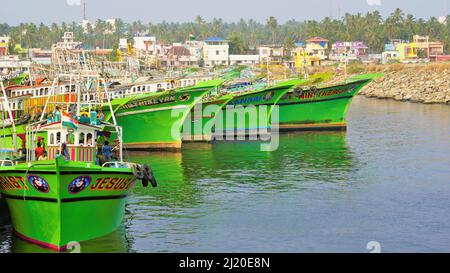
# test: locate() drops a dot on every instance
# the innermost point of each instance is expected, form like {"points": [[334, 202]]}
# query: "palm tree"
{"points": [[272, 25]]}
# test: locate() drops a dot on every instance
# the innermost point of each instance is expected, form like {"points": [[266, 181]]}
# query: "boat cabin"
{"points": [[80, 138]]}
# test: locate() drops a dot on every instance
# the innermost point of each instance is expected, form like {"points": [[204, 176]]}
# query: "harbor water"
{"points": [[385, 181]]}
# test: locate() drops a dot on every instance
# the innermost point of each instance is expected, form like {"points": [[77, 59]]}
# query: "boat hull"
{"points": [[60, 213], [154, 123], [321, 109], [250, 114]]}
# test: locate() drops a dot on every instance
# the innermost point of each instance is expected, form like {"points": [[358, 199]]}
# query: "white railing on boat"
{"points": [[4, 163], [118, 165]]}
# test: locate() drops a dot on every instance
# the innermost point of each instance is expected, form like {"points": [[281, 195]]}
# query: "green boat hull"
{"points": [[60, 214], [318, 109], [237, 114], [155, 121]]}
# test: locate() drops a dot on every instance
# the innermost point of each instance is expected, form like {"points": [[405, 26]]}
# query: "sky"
{"points": [[49, 11]]}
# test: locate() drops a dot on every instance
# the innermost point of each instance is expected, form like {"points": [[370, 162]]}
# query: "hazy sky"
{"points": [[48, 11]]}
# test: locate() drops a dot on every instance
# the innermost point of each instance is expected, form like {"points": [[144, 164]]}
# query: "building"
{"points": [[178, 56], [271, 53], [390, 56], [215, 52], [195, 49], [11, 63], [112, 24], [304, 58], [86, 24], [349, 50], [421, 49], [429, 48], [244, 59], [4, 45], [147, 44], [317, 47]]}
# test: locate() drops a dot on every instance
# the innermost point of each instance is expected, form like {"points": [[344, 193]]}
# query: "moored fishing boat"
{"points": [[154, 121], [70, 196], [319, 108], [208, 123]]}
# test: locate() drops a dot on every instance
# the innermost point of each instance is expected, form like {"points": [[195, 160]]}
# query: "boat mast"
{"points": [[8, 109]]}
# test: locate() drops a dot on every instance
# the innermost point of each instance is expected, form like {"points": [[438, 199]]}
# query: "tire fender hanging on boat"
{"points": [[149, 176]]}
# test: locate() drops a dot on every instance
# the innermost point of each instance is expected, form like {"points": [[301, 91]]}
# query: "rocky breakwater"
{"points": [[422, 83]]}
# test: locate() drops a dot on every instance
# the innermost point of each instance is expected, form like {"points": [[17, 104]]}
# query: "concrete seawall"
{"points": [[422, 84]]}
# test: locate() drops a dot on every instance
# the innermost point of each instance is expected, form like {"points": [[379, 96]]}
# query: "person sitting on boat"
{"points": [[106, 151], [43, 156], [57, 117], [41, 142], [39, 151], [64, 152]]}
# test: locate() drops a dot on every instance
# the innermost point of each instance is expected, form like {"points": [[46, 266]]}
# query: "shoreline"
{"points": [[426, 84]]}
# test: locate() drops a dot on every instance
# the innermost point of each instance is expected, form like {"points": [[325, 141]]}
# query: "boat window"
{"points": [[81, 140], [89, 139], [139, 89], [70, 138]]}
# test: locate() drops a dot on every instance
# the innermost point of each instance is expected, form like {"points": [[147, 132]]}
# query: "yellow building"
{"points": [[4, 43], [303, 58], [407, 51]]}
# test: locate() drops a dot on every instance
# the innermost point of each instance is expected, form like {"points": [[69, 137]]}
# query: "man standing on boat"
{"points": [[106, 151], [39, 151]]}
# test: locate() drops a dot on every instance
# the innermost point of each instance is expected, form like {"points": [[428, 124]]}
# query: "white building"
{"points": [[85, 25], [390, 55], [147, 44], [273, 53], [10, 63], [215, 52], [244, 59], [123, 44], [112, 23], [195, 50]]}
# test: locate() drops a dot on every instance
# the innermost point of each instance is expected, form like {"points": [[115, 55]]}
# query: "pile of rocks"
{"points": [[412, 84]]}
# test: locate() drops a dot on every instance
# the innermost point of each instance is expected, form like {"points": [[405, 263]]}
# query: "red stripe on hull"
{"points": [[39, 243]]}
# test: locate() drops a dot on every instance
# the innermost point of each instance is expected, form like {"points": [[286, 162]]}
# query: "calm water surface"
{"points": [[387, 180]]}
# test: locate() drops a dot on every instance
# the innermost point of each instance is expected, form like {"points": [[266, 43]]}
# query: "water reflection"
{"points": [[205, 181]]}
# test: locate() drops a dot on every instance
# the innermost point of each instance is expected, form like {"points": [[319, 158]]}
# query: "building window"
{"points": [[89, 139], [58, 138], [81, 140], [217, 52]]}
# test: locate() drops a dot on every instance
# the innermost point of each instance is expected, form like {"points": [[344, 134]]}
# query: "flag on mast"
{"points": [[69, 121]]}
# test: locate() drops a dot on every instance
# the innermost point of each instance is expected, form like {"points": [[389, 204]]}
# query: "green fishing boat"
{"points": [[71, 194], [322, 108], [235, 113], [154, 121]]}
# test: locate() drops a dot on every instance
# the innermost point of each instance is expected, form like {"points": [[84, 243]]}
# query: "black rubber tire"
{"points": [[149, 176]]}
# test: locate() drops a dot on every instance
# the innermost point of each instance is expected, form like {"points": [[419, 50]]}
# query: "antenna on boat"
{"points": [[8, 109]]}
